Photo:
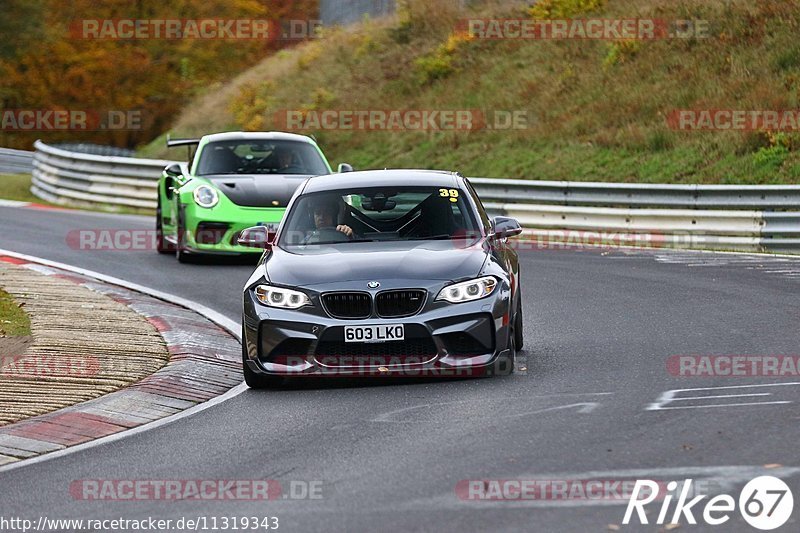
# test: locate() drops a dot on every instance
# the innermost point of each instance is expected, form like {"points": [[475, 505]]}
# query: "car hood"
{"points": [[414, 260], [258, 190]]}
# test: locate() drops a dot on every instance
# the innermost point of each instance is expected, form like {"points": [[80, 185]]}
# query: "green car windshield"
{"points": [[372, 214], [260, 157]]}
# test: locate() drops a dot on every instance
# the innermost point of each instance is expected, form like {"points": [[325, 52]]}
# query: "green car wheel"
{"points": [[180, 249], [162, 245]]}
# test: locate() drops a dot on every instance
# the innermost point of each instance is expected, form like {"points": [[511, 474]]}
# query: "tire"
{"points": [[519, 340], [180, 249], [162, 245], [257, 381]]}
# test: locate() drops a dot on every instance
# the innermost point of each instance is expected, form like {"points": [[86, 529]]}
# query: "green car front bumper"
{"points": [[216, 230]]}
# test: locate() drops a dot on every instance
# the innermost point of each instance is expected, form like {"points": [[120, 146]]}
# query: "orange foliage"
{"points": [[49, 68]]}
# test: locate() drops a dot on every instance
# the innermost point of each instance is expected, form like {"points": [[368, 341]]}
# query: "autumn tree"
{"points": [[46, 64]]}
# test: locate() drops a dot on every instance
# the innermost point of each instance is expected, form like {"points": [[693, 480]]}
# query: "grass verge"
{"points": [[18, 187], [14, 322], [595, 110]]}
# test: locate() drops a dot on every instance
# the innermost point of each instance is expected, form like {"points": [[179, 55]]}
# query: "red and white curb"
{"points": [[204, 369], [30, 205]]}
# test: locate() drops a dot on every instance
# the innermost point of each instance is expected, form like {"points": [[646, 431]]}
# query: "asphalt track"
{"points": [[599, 327]]}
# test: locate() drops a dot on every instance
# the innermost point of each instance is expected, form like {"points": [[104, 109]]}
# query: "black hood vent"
{"points": [[259, 190]]}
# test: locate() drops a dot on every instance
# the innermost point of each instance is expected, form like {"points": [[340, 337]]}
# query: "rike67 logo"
{"points": [[765, 503]]}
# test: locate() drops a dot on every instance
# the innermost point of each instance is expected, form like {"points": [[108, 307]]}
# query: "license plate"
{"points": [[382, 333]]}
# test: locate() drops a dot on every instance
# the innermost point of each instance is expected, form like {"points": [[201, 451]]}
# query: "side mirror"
{"points": [[345, 167], [256, 237], [173, 170], [504, 227]]}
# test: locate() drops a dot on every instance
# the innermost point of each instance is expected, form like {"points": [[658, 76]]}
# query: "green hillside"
{"points": [[596, 109]]}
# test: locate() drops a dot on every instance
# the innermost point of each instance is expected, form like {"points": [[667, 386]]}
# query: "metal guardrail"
{"points": [[95, 149], [750, 229], [757, 218], [637, 195], [66, 177], [720, 217], [15, 161]]}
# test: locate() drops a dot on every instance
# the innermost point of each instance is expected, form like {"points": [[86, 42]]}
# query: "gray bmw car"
{"points": [[391, 272]]}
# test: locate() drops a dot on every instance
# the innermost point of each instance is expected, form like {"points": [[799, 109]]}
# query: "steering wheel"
{"points": [[252, 166], [329, 234], [292, 169]]}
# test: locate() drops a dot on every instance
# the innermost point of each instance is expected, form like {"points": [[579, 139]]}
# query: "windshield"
{"points": [[379, 214], [261, 157]]}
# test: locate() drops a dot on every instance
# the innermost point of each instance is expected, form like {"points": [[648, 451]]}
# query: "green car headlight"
{"points": [[205, 196], [279, 297], [466, 291]]}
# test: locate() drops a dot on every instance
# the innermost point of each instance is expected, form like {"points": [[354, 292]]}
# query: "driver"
{"points": [[285, 160], [325, 212]]}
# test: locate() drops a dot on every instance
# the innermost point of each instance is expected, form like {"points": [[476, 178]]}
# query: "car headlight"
{"points": [[466, 291], [278, 297], [205, 196]]}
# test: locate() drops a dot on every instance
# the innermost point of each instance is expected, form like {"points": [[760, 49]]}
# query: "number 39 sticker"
{"points": [[766, 502], [449, 193]]}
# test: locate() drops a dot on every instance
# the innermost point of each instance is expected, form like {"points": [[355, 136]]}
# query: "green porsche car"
{"points": [[232, 181]]}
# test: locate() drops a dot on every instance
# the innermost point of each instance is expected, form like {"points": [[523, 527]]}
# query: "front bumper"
{"points": [[209, 231], [443, 339]]}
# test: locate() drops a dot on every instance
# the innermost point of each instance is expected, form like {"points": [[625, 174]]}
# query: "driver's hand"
{"points": [[347, 230]]}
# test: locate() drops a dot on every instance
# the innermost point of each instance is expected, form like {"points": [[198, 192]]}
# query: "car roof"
{"points": [[257, 135], [382, 178]]}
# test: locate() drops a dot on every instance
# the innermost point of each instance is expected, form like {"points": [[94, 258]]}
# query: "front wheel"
{"points": [[180, 249], [163, 246], [518, 337]]}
